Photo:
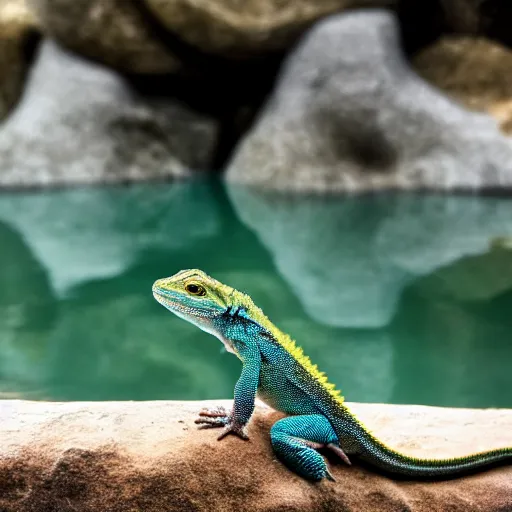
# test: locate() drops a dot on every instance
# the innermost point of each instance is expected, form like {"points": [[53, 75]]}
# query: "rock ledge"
{"points": [[149, 456]]}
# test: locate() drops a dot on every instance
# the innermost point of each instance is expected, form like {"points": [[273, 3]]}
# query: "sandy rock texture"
{"points": [[349, 114], [17, 28], [113, 32], [149, 456], [90, 126], [476, 72]]}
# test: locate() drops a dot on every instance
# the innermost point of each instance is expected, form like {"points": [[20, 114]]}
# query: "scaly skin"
{"points": [[283, 377]]}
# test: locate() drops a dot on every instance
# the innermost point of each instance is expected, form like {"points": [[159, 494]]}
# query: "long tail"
{"points": [[371, 450]]}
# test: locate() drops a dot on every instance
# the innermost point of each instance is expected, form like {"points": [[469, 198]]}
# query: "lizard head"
{"points": [[195, 297]]}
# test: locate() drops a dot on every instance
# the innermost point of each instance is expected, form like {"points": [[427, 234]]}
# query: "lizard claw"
{"points": [[213, 418], [236, 429], [214, 412], [208, 422], [218, 417], [340, 453]]}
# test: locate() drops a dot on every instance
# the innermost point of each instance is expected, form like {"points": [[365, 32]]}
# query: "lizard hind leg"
{"points": [[295, 440]]}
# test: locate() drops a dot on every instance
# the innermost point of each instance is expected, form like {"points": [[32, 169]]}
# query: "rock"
{"points": [[474, 71], [17, 29], [489, 17], [113, 32], [89, 126], [348, 114], [462, 16], [150, 456], [260, 26]]}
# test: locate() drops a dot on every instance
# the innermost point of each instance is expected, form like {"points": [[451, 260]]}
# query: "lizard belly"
{"points": [[280, 393]]}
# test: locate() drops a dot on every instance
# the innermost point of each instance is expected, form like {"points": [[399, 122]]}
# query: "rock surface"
{"points": [[252, 27], [113, 32], [149, 456], [475, 71], [17, 25], [490, 17], [89, 126], [348, 114]]}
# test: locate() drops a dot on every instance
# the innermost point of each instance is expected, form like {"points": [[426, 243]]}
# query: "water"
{"points": [[399, 298]]}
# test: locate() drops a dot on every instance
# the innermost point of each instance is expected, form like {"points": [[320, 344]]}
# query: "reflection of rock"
{"points": [[86, 234], [17, 25], [473, 278], [349, 258], [27, 314], [77, 456], [477, 72], [113, 32], [89, 126], [349, 114]]}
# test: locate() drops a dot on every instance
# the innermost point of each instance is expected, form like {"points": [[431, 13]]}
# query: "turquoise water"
{"points": [[399, 298]]}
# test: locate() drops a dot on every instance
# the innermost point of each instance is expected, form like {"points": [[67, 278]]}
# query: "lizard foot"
{"points": [[235, 428], [334, 448], [214, 412], [219, 417], [208, 422], [214, 417]]}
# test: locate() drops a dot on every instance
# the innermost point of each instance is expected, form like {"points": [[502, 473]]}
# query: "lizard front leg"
{"points": [[295, 440], [245, 394]]}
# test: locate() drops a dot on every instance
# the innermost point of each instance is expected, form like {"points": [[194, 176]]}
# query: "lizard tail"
{"points": [[371, 450]]}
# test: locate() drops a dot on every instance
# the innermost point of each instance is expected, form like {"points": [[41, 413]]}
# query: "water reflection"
{"points": [[349, 259], [397, 298]]}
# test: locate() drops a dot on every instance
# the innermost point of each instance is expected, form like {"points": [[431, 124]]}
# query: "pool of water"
{"points": [[399, 298]]}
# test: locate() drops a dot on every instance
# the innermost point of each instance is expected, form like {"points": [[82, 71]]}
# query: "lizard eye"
{"points": [[195, 289]]}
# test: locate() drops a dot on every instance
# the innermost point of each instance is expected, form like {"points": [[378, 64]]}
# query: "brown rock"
{"points": [[17, 27], [475, 71], [150, 457], [113, 32], [237, 28]]}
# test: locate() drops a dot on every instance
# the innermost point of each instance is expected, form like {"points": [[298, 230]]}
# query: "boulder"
{"points": [[489, 17], [79, 122], [120, 456], [17, 28], [474, 71], [113, 32], [254, 27], [349, 114]]}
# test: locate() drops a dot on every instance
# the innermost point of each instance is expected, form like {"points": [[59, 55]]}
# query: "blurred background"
{"points": [[347, 163]]}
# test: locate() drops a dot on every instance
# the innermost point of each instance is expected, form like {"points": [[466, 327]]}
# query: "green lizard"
{"points": [[276, 369]]}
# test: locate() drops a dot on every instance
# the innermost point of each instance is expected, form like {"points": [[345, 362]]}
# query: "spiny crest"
{"points": [[295, 351]]}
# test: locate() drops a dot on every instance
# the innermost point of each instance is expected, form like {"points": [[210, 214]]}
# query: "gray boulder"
{"points": [[349, 114], [79, 122]]}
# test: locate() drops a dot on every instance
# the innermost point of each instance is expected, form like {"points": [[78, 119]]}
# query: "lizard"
{"points": [[275, 369]]}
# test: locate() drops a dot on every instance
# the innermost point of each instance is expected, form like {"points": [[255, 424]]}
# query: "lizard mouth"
{"points": [[164, 299], [172, 304]]}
